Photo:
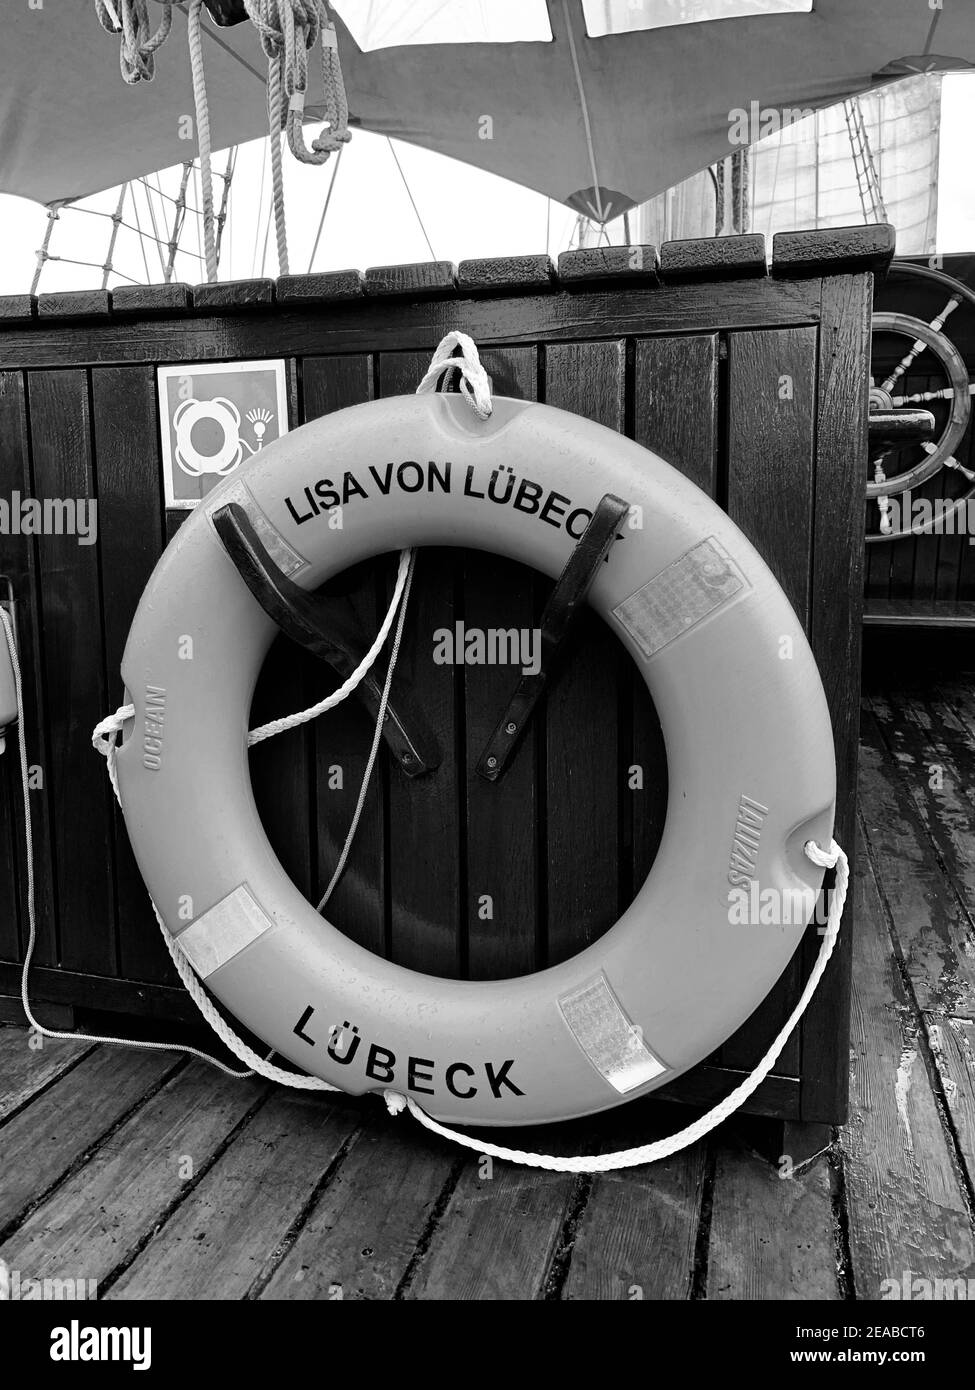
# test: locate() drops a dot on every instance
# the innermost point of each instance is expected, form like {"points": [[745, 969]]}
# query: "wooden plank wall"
{"points": [[744, 388]]}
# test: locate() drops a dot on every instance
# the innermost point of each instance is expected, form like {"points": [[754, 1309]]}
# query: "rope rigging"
{"points": [[289, 31]]}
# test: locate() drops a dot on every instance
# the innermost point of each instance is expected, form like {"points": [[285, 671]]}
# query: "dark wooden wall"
{"points": [[685, 352], [923, 569]]}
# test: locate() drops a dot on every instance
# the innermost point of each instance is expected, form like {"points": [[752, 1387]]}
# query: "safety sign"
{"points": [[214, 416]]}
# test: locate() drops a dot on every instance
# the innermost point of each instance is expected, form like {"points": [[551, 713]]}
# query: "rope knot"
{"points": [[475, 383], [130, 18], [395, 1103], [106, 731], [823, 858]]}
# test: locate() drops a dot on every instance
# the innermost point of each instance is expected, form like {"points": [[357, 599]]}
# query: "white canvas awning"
{"points": [[565, 103]]}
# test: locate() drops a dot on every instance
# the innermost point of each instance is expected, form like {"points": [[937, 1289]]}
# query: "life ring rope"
{"points": [[476, 388], [664, 1148]]}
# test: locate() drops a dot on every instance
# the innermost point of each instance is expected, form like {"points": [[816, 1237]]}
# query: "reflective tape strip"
{"points": [[223, 932], [284, 556], [613, 1044], [703, 580]]}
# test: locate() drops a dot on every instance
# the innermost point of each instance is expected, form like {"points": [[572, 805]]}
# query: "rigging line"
{"points": [[149, 237], [129, 227], [265, 152], [70, 260], [155, 225], [116, 221], [42, 254], [199, 220], [328, 199], [142, 243], [179, 217], [202, 125], [168, 196], [267, 235], [433, 255], [584, 107], [221, 216], [931, 31], [205, 29]]}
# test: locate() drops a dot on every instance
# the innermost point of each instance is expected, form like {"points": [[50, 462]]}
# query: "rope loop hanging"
{"points": [[130, 18], [289, 30]]}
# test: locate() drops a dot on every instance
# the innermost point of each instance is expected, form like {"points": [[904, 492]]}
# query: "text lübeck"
{"points": [[381, 1064]]}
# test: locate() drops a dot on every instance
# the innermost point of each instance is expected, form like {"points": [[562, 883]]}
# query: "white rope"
{"points": [[377, 735], [31, 909], [106, 731], [664, 1148], [291, 721], [202, 110], [475, 384]]}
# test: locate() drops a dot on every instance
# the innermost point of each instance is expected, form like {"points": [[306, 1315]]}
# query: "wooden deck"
{"points": [[159, 1177]]}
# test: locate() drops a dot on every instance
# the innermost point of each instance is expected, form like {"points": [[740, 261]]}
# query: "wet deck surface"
{"points": [[158, 1177]]}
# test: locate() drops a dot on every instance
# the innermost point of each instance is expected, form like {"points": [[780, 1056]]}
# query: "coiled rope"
{"points": [[137, 51], [475, 386], [289, 30]]}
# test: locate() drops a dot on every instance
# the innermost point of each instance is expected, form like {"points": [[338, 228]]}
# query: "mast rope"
{"points": [[137, 51], [289, 30]]}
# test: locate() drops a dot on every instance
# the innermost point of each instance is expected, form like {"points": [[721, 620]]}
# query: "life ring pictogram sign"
{"points": [[748, 738], [226, 417]]}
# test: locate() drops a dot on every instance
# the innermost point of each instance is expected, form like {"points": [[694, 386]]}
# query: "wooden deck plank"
{"points": [[42, 1142], [952, 733], [952, 1042], [360, 1237], [498, 1235], [94, 1222], [938, 779], [637, 1236], [771, 1236], [26, 1068], [906, 1209], [931, 926], [221, 1239]]}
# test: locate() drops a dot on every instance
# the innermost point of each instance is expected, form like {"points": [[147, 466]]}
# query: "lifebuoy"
{"points": [[746, 728]]}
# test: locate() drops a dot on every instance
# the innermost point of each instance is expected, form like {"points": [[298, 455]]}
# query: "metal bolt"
{"points": [[407, 757], [492, 762], [510, 727]]}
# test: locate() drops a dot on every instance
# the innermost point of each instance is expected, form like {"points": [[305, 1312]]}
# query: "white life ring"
{"points": [[226, 416], [748, 738]]}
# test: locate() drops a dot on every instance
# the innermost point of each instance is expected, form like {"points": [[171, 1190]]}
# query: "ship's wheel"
{"points": [[913, 436]]}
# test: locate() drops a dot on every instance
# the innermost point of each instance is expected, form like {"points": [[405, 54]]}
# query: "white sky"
{"points": [[371, 220]]}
